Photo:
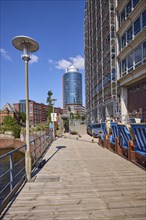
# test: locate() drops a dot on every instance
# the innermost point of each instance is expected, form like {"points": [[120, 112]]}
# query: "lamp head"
{"points": [[25, 44]]}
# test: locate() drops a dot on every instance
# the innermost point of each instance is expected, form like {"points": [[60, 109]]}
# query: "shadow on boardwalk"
{"points": [[44, 161], [58, 148]]}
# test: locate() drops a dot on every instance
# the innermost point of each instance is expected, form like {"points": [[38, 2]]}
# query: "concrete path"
{"points": [[82, 180]]}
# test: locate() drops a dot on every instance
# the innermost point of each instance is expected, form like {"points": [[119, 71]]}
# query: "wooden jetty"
{"points": [[82, 180]]}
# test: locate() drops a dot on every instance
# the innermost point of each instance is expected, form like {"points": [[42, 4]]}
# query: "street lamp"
{"points": [[26, 45], [53, 103]]}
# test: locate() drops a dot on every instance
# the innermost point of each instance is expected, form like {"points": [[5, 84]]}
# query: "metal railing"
{"points": [[12, 167]]}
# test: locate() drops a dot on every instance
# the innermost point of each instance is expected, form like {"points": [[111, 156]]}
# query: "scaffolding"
{"points": [[102, 98]]}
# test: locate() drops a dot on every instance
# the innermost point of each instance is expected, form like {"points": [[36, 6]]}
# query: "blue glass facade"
{"points": [[22, 105], [72, 86]]}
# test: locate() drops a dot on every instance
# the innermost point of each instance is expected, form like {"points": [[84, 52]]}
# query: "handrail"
{"points": [[12, 151], [14, 172]]}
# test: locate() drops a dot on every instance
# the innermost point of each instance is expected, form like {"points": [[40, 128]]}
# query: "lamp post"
{"points": [[53, 103], [26, 45]]}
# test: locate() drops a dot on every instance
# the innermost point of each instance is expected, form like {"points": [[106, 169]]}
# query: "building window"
{"points": [[135, 3], [123, 43], [124, 67], [144, 52], [128, 8], [129, 34], [130, 62], [137, 26], [144, 19], [123, 16], [138, 56]]}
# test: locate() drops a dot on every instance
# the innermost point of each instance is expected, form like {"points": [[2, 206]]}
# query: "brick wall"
{"points": [[10, 142], [6, 142]]}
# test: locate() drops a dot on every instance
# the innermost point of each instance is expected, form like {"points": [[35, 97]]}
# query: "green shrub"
{"points": [[23, 130], [2, 130], [10, 124], [16, 130]]}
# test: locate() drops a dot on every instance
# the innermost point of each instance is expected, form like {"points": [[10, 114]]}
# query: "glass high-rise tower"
{"points": [[72, 89]]}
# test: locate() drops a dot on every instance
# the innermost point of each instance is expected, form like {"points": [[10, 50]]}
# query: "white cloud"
{"points": [[63, 64], [34, 59], [4, 53], [77, 61]]}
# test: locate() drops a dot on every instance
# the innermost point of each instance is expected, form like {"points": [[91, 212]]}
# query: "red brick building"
{"points": [[8, 110], [38, 112]]}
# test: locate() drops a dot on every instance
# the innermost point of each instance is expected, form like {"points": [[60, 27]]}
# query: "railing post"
{"points": [[35, 156], [11, 172], [44, 141], [40, 145]]}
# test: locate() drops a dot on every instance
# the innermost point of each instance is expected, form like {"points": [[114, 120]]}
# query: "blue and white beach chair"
{"points": [[105, 135], [113, 136], [123, 140], [138, 146]]}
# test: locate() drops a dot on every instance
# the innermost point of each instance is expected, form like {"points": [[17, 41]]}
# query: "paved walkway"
{"points": [[82, 180]]}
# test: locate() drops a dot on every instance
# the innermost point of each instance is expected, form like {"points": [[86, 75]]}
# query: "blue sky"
{"points": [[58, 27]]}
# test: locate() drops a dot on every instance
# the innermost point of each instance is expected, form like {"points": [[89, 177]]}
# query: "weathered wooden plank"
{"points": [[82, 181]]}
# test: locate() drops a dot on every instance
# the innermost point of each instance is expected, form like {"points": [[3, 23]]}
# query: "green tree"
{"points": [[23, 117], [10, 124], [83, 118], [78, 115], [16, 131], [50, 107], [50, 93], [69, 112], [71, 115], [69, 109]]}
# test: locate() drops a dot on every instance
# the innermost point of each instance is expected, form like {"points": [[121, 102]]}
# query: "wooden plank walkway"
{"points": [[82, 180]]}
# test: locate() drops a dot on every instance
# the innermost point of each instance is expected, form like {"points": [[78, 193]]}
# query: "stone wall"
{"points": [[10, 142]]}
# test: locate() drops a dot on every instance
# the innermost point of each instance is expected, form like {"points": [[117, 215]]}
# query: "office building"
{"points": [[72, 91], [38, 112], [131, 57], [115, 59], [100, 60]]}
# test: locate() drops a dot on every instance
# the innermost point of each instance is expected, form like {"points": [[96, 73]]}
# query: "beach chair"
{"points": [[137, 147], [114, 134], [105, 134], [122, 141]]}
